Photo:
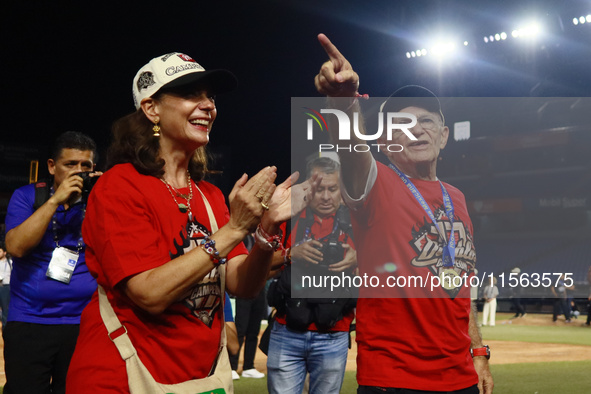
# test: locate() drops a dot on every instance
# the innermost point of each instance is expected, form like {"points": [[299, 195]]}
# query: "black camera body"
{"points": [[332, 252], [87, 183]]}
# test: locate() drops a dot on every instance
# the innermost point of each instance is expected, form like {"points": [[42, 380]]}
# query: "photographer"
{"points": [[312, 335], [50, 283]]}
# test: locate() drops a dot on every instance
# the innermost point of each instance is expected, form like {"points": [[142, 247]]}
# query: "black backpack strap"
{"points": [[343, 215], [42, 191]]}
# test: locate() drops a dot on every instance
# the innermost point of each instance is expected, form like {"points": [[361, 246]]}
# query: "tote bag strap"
{"points": [[112, 323]]}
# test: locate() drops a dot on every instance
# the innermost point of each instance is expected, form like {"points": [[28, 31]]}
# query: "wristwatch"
{"points": [[481, 351]]}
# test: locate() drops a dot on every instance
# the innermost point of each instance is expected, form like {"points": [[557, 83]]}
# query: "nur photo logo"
{"points": [[351, 130]]}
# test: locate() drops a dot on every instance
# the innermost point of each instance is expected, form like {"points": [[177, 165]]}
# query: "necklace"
{"points": [[182, 207]]}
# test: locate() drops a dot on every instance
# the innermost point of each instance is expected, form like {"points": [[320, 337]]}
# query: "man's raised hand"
{"points": [[336, 77]]}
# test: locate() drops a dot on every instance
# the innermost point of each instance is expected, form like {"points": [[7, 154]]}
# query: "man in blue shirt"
{"points": [[50, 283]]}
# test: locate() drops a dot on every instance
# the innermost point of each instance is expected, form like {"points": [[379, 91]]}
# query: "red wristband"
{"points": [[481, 351]]}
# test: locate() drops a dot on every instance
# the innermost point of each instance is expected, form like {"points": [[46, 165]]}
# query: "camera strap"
{"points": [[342, 223]]}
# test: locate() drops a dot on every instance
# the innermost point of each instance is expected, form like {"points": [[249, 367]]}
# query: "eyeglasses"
{"points": [[427, 122]]}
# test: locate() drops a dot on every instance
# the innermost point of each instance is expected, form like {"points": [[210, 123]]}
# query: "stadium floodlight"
{"points": [[588, 18], [575, 21], [582, 19], [443, 49], [530, 30]]}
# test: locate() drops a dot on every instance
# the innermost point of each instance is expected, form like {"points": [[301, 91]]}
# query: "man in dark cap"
{"points": [[408, 222]]}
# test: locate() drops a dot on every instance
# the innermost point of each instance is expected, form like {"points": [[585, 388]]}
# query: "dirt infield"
{"points": [[505, 352], [510, 352]]}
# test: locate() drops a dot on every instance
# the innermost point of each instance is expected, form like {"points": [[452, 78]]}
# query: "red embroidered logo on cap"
{"points": [[186, 58]]}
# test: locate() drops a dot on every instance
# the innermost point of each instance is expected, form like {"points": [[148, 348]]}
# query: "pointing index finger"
{"points": [[333, 53]]}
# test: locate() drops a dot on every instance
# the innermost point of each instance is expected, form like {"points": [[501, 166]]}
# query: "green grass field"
{"points": [[572, 377], [569, 335], [531, 378], [543, 378], [572, 334]]}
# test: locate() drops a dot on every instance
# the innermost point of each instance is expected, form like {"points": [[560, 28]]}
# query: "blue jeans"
{"points": [[292, 354]]}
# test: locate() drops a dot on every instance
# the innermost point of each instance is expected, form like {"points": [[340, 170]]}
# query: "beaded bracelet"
{"points": [[266, 241], [208, 245]]}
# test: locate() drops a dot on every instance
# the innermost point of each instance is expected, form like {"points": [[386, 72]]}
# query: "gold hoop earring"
{"points": [[156, 130]]}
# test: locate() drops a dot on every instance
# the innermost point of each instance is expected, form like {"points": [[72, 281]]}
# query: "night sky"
{"points": [[68, 65]]}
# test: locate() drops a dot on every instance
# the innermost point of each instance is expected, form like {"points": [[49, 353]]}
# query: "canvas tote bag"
{"points": [[139, 378]]}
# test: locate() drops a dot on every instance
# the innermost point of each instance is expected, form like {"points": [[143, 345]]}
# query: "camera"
{"points": [[332, 252], [87, 183]]}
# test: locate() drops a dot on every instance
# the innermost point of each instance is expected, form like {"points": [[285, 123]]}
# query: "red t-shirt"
{"points": [[416, 339], [133, 225], [320, 228]]}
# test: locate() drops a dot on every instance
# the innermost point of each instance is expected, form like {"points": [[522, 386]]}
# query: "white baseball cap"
{"points": [[178, 69]]}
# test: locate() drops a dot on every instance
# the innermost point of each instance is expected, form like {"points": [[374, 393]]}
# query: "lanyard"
{"points": [[449, 249], [54, 228]]}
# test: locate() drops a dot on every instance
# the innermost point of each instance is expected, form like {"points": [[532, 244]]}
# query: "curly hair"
{"points": [[134, 142]]}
